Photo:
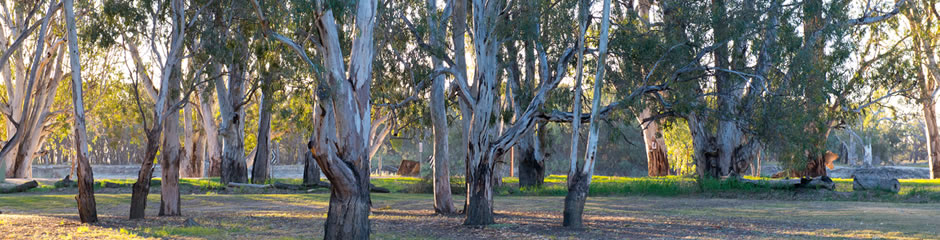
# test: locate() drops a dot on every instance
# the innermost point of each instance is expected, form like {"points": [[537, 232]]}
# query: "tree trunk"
{"points": [[213, 152], [579, 186], [311, 170], [657, 158], [170, 157], [142, 187], [259, 170], [531, 166], [574, 201], [87, 210], [480, 199], [933, 134], [234, 168], [443, 202], [190, 162]]}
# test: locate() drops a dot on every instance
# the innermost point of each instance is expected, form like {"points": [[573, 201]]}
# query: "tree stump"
{"points": [[865, 183]]}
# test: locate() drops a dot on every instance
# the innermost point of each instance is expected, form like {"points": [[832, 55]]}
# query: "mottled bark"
{"points": [[213, 150], [234, 168], [87, 210], [657, 156], [259, 170], [578, 186]]}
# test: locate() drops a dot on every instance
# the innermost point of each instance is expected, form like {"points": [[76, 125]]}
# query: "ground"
{"points": [[631, 214]]}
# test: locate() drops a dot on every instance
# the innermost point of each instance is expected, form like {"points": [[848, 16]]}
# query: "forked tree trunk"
{"points": [[25, 139], [574, 201], [580, 179], [343, 119], [87, 210], [259, 170]]}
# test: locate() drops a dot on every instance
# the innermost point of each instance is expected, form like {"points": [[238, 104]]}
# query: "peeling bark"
{"points": [[87, 211]]}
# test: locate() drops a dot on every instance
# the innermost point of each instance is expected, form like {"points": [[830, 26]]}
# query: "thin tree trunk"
{"points": [[141, 188], [259, 170], [189, 161], [443, 202], [578, 186], [87, 210]]}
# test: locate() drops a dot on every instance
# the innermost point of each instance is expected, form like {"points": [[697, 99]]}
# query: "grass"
{"points": [[194, 231]]}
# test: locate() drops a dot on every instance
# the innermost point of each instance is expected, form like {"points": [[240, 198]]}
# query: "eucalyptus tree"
{"points": [[122, 20], [87, 211], [343, 118], [489, 29], [923, 42], [579, 175], [31, 90], [734, 101]]}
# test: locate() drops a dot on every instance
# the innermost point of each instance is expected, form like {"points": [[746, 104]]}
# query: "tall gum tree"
{"points": [[31, 90], [343, 118]]}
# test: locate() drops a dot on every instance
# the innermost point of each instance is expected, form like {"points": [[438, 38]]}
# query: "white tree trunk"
{"points": [[87, 210]]}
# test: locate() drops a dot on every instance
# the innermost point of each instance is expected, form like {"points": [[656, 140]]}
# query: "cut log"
{"points": [[20, 188], [865, 183], [248, 185]]}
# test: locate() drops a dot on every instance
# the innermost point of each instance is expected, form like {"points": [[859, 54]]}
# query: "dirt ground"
{"points": [[409, 216]]}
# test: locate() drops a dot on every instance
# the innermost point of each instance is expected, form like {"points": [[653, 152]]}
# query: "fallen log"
{"points": [[66, 182], [866, 183], [375, 189], [20, 188], [817, 182], [247, 185]]}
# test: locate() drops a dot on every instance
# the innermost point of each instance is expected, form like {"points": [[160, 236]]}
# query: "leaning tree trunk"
{"points": [[87, 210], [141, 188], [657, 157], [259, 171]]}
